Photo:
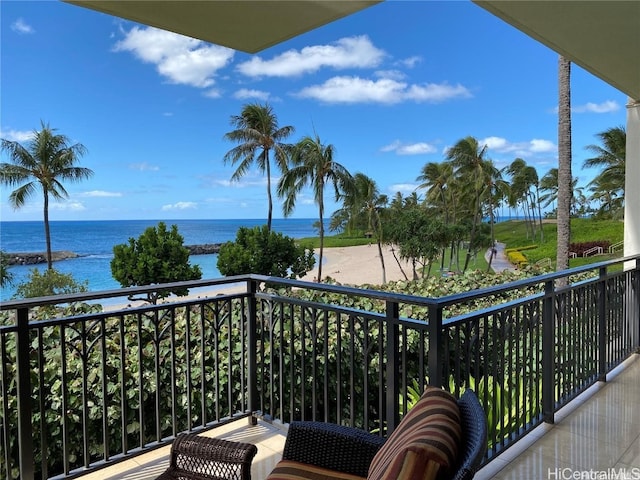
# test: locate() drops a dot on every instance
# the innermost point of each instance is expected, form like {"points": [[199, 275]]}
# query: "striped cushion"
{"points": [[425, 443], [290, 470]]}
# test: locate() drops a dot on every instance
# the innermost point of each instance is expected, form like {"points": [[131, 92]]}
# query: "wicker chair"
{"points": [[195, 457], [351, 451]]}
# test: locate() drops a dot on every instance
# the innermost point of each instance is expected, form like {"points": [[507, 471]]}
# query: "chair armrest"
{"points": [[474, 435], [336, 447], [198, 457]]}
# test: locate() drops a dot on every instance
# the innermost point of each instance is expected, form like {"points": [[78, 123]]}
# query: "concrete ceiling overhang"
{"points": [[603, 37], [245, 25]]}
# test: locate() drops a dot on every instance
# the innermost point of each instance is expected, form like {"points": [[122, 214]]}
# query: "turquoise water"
{"points": [[94, 241]]}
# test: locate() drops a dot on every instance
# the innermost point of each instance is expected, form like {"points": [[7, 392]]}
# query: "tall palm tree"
{"points": [[469, 162], [257, 132], [437, 178], [525, 189], [366, 201], [549, 184], [312, 164], [44, 163], [611, 158], [565, 193]]}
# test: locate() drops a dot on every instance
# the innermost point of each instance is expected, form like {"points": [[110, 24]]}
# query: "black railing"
{"points": [[85, 390]]}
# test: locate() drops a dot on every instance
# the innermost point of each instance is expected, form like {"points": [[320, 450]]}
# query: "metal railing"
{"points": [[82, 391]]}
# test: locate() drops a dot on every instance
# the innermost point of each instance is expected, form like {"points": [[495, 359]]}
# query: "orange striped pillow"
{"points": [[425, 443]]}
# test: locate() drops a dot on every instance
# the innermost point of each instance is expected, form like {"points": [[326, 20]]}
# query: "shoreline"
{"points": [[355, 266]]}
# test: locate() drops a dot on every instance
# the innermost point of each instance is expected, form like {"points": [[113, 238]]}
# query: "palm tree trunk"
{"points": [[540, 214], [393, 251], [321, 211], [473, 232], [384, 272], [47, 232], [270, 214], [564, 164]]}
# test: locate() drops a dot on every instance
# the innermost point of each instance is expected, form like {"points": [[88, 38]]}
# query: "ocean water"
{"points": [[94, 241]]}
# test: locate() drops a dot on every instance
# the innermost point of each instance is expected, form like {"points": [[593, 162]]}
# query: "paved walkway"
{"points": [[499, 262]]}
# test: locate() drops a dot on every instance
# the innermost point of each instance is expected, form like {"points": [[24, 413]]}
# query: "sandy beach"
{"points": [[357, 265]]}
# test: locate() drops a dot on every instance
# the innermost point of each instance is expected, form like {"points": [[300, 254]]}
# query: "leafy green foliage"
{"points": [[49, 282], [201, 340], [6, 277], [157, 256], [261, 251]]}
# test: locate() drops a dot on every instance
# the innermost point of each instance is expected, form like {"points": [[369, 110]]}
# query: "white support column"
{"points": [[632, 181]]}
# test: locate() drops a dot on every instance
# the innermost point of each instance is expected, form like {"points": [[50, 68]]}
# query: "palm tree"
{"points": [[437, 178], [366, 201], [611, 157], [565, 193], [47, 160], [469, 162], [525, 190], [312, 164], [257, 132], [549, 184]]}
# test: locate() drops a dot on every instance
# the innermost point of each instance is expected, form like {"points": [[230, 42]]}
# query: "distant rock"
{"points": [[205, 249], [34, 258]]}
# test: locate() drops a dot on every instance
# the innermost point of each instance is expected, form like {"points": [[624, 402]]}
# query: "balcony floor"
{"points": [[599, 430]]}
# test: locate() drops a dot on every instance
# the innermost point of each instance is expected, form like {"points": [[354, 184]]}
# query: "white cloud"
{"points": [[20, 26], [410, 62], [420, 148], [213, 93], [520, 149], [391, 74], [245, 183], [181, 59], [180, 206], [403, 187], [144, 167], [607, 106], [245, 93], [494, 143], [100, 193], [604, 107], [348, 52], [385, 90], [16, 135], [67, 206], [542, 146]]}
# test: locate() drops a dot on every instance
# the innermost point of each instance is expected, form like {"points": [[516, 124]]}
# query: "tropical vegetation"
{"points": [[49, 282], [313, 164], [259, 250], [6, 277], [258, 134], [158, 255], [43, 164]]}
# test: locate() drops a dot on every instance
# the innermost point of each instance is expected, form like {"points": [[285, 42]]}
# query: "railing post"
{"points": [[25, 439], [548, 350], [634, 308], [602, 325], [252, 340], [393, 366], [435, 361]]}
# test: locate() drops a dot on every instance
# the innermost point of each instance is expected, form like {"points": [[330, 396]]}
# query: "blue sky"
{"points": [[391, 87]]}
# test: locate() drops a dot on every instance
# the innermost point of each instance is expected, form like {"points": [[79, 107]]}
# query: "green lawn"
{"points": [[514, 234]]}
